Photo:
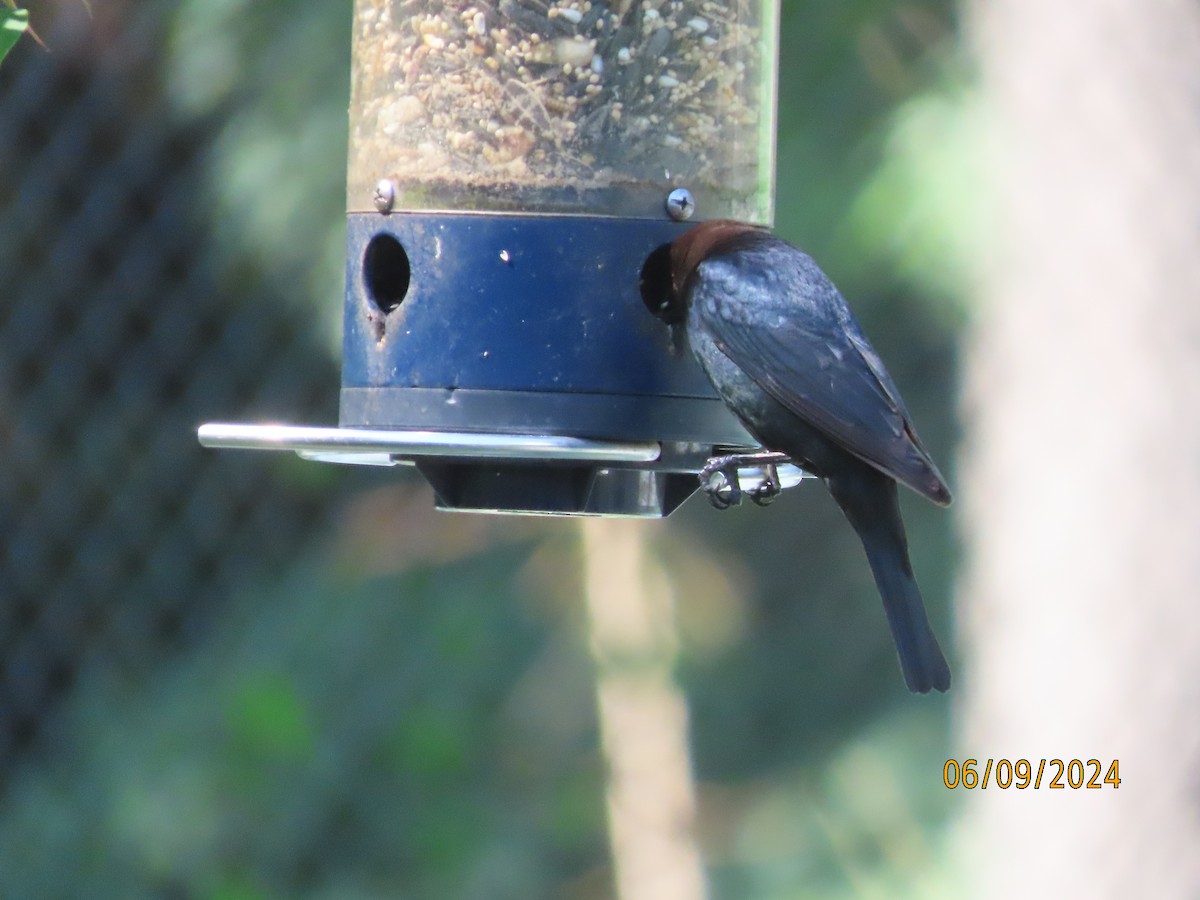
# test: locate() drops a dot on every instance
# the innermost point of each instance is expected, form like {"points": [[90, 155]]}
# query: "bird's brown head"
{"points": [[666, 274], [697, 244]]}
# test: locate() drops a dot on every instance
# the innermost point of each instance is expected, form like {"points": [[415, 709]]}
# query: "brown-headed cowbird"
{"points": [[786, 354]]}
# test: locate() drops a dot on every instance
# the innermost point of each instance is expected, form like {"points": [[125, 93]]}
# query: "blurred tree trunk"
{"points": [[642, 713], [1081, 477]]}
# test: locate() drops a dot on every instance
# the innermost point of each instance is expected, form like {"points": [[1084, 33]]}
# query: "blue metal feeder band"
{"points": [[517, 324]]}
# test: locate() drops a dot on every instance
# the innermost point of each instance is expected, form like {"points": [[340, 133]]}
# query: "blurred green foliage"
{"points": [[335, 736], [13, 23], [410, 713], [275, 76]]}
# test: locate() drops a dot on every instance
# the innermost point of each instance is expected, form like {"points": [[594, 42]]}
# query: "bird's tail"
{"points": [[875, 515]]}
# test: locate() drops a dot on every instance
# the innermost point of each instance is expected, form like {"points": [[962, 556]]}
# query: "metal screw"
{"points": [[385, 195], [681, 204]]}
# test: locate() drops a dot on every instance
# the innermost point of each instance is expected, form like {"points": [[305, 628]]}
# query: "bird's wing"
{"points": [[818, 366]]}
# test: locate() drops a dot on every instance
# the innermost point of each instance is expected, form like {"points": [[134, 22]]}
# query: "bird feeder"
{"points": [[514, 164]]}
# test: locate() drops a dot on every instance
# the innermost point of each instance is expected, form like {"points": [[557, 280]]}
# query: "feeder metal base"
{"points": [[524, 474], [379, 447]]}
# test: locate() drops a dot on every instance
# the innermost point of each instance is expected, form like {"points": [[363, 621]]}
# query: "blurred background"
{"points": [[232, 675]]}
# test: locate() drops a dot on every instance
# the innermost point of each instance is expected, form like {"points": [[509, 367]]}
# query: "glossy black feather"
{"points": [[783, 350], [768, 307]]}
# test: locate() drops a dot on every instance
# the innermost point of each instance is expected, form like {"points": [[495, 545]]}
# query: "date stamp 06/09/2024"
{"points": [[1023, 774]]}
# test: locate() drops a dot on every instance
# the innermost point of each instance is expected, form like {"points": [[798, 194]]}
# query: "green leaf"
{"points": [[13, 23]]}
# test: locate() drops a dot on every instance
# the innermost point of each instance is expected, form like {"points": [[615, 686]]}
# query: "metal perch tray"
{"points": [[379, 447], [486, 472]]}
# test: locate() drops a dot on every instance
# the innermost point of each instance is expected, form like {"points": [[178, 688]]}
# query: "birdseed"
{"points": [[588, 106]]}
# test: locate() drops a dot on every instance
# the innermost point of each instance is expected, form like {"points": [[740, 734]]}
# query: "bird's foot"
{"points": [[720, 480], [769, 488]]}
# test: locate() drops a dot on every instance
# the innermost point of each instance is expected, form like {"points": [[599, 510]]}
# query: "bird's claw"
{"points": [[719, 478], [769, 489]]}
